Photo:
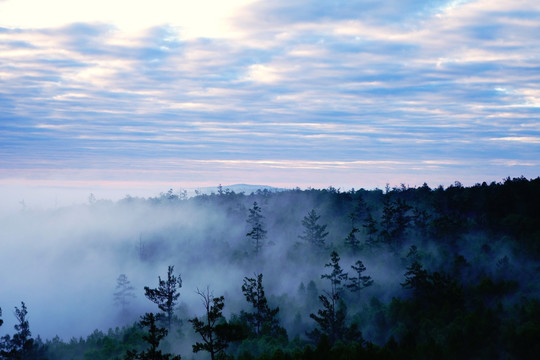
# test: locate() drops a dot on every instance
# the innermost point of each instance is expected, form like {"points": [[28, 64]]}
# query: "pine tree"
{"points": [[257, 233], [352, 240], [360, 281], [387, 218], [331, 318], [21, 345], [416, 278], [124, 291], [314, 233], [153, 338], [264, 319], [165, 296], [208, 327], [370, 227]]}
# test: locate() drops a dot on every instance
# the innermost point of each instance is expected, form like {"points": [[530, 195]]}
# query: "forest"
{"points": [[395, 273]]}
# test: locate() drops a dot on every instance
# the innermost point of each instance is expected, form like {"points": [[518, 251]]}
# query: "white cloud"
{"points": [[196, 18], [264, 73]]}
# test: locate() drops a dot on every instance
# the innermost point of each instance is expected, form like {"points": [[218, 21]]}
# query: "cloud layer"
{"points": [[346, 93]]}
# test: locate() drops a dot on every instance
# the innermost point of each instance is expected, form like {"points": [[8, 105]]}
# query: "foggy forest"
{"points": [[395, 273]]}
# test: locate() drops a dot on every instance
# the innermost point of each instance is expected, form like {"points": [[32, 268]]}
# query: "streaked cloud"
{"points": [[440, 89]]}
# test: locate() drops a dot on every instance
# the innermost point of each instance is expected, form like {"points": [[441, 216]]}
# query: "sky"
{"points": [[124, 97]]}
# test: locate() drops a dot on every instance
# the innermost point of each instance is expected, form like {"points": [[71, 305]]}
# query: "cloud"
{"points": [[405, 81]]}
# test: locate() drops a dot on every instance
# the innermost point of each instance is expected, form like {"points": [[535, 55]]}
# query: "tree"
{"points": [[402, 220], [153, 338], [165, 296], [264, 319], [433, 290], [360, 281], [395, 220], [21, 345], [387, 218], [314, 233], [124, 291], [257, 233], [336, 277], [331, 318], [23, 338], [370, 227], [211, 327], [1, 321], [416, 278], [351, 240]]}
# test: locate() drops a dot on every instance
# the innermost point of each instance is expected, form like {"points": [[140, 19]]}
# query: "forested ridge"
{"points": [[418, 273]]}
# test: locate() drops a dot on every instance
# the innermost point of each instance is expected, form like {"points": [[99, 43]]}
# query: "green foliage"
{"points": [[99, 346]]}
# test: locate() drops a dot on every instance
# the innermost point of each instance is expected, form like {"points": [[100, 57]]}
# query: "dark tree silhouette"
{"points": [[314, 233], [165, 296], [416, 277], [395, 221], [331, 318], [257, 234], [212, 326], [264, 319], [359, 281], [21, 345], [370, 228], [153, 338], [352, 240]]}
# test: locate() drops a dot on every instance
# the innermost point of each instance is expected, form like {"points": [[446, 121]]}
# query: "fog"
{"points": [[64, 261]]}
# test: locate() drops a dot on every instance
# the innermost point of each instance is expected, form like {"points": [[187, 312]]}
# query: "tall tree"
{"points": [[153, 338], [359, 282], [352, 240], [264, 319], [165, 296], [213, 337], [416, 278], [257, 234], [370, 227], [331, 318], [387, 218], [314, 233], [21, 345], [124, 292], [395, 221], [336, 277], [402, 219]]}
